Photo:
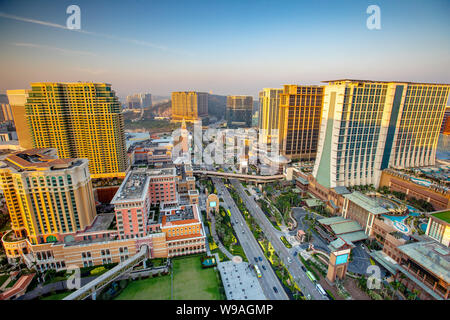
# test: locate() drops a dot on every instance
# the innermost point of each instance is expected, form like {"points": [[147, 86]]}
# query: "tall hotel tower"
{"points": [[368, 126], [46, 197], [299, 117], [269, 100], [239, 111], [189, 106], [80, 120]]}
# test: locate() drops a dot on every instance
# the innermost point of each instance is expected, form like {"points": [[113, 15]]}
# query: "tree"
{"points": [[395, 285], [414, 294]]}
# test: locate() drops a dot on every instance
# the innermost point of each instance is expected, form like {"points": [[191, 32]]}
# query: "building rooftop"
{"points": [[346, 227], [366, 203], [133, 188], [37, 159], [431, 255], [382, 81], [313, 202], [442, 215], [382, 258], [240, 281], [183, 215], [341, 190], [354, 236], [333, 220]]}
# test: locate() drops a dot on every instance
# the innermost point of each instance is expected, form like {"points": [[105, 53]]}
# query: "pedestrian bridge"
{"points": [[91, 288], [240, 176]]}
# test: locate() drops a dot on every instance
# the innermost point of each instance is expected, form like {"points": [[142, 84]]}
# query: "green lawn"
{"points": [[3, 278], [57, 296], [444, 216], [148, 289], [191, 282]]}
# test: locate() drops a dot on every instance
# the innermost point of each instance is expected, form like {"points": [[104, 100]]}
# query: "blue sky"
{"points": [[227, 47]]}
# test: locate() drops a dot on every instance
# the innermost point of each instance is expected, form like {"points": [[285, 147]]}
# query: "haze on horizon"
{"points": [[232, 47]]}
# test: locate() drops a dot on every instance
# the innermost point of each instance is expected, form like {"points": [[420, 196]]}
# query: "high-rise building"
{"points": [[80, 120], [269, 100], [5, 112], [46, 197], [239, 111], [299, 115], [189, 106], [17, 100], [139, 100], [368, 126], [445, 128]]}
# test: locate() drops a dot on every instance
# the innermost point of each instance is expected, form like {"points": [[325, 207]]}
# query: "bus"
{"points": [[319, 287], [311, 276], [258, 273]]}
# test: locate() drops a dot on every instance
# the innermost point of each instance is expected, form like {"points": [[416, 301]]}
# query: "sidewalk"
{"points": [[216, 238]]}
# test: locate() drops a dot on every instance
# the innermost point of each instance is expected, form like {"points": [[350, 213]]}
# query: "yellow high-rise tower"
{"points": [[269, 100], [46, 197], [80, 120], [299, 117], [189, 106]]}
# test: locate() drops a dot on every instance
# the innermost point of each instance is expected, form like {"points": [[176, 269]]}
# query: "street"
{"points": [[252, 250], [284, 253]]}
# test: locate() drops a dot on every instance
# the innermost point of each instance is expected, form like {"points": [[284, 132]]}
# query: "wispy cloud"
{"points": [[62, 50], [94, 72], [96, 34]]}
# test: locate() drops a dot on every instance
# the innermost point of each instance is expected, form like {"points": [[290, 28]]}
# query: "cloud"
{"points": [[94, 72], [102, 35], [62, 50]]}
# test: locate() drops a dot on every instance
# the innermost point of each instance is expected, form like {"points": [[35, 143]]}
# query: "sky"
{"points": [[223, 47]]}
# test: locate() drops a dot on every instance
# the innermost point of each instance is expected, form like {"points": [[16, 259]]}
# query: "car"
{"points": [[260, 259], [243, 231], [275, 289], [289, 260], [303, 268], [362, 246], [295, 253], [263, 266], [256, 259], [232, 224]]}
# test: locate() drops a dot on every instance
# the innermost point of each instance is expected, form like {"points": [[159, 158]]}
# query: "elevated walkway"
{"points": [[240, 176], [99, 283]]}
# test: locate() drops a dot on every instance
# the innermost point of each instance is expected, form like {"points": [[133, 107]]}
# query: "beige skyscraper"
{"points": [[46, 196], [368, 126], [17, 100]]}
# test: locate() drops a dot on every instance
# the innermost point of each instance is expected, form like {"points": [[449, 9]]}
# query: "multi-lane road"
{"points": [[253, 251], [287, 256]]}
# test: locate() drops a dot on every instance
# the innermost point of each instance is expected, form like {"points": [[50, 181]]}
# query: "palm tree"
{"points": [[395, 286], [414, 294]]}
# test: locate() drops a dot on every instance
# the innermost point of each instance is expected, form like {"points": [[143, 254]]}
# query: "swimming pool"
{"points": [[395, 218], [421, 182], [401, 227], [423, 226]]}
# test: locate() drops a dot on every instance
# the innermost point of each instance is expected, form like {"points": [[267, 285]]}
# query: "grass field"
{"points": [[191, 282], [57, 296]]}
